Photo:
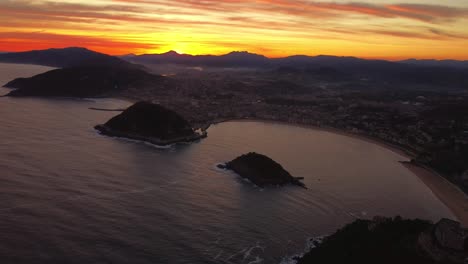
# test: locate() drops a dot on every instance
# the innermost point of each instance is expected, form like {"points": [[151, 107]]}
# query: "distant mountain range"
{"points": [[63, 58], [76, 56], [446, 73], [410, 72], [246, 59], [233, 59], [437, 63]]}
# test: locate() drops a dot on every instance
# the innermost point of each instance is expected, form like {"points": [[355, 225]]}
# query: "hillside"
{"points": [[63, 58], [84, 81]]}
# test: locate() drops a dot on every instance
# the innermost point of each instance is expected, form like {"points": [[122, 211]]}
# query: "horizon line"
{"points": [[390, 58]]}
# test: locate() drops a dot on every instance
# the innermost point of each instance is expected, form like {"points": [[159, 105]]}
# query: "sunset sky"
{"points": [[371, 29]]}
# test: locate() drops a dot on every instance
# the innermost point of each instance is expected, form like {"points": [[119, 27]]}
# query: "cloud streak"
{"points": [[201, 25]]}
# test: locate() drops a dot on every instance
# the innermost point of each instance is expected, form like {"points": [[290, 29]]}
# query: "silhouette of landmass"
{"points": [[405, 72], [152, 123], [448, 73], [233, 59], [261, 170], [390, 241], [67, 57], [83, 81], [438, 63]]}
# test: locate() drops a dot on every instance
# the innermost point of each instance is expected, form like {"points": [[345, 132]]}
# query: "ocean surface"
{"points": [[70, 195]]}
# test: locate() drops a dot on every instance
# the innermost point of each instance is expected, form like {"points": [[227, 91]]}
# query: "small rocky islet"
{"points": [[261, 170], [152, 123]]}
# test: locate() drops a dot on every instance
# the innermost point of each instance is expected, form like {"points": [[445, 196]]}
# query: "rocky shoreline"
{"points": [[103, 129], [151, 123]]}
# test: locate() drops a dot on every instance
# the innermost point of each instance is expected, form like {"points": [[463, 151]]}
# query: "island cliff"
{"points": [[261, 170], [152, 123]]}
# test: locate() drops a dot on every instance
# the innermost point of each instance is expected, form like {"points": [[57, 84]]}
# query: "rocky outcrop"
{"points": [[261, 170], [389, 241], [152, 123], [445, 241]]}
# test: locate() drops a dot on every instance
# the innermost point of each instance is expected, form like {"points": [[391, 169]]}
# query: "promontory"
{"points": [[84, 81], [392, 240], [151, 123]]}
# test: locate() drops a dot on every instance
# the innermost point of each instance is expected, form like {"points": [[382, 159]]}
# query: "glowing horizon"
{"points": [[380, 29]]}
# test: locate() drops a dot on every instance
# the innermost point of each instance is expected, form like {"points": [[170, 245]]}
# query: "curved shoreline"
{"points": [[448, 193], [450, 197], [389, 146]]}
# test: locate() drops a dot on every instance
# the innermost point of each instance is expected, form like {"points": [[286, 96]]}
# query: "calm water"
{"points": [[70, 195]]}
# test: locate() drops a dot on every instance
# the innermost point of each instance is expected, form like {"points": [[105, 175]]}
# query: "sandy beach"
{"points": [[392, 147], [449, 194], [454, 198]]}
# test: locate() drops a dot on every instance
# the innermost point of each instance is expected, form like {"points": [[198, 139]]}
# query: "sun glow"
{"points": [[368, 29]]}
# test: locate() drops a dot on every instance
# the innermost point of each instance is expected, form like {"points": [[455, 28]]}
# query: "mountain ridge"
{"points": [[65, 57], [180, 58], [79, 56], [413, 72]]}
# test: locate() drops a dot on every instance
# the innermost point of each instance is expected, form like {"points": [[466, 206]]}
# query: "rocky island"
{"points": [[261, 170], [151, 123], [392, 240]]}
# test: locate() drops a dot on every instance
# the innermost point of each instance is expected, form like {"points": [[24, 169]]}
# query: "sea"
{"points": [[71, 195]]}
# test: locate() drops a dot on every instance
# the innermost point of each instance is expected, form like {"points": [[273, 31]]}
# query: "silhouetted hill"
{"points": [[329, 68], [84, 81], [261, 170], [437, 63], [63, 58], [233, 59], [246, 59], [150, 122]]}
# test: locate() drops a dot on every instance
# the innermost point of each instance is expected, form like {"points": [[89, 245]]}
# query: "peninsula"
{"points": [[83, 81]]}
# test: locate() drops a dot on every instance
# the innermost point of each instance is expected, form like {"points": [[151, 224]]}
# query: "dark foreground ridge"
{"points": [[85, 81], [151, 123], [387, 240], [261, 170]]}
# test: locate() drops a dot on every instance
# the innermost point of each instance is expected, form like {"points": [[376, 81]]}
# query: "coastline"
{"points": [[389, 146], [104, 130], [448, 193]]}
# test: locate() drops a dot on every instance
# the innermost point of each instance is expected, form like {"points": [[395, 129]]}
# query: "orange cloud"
{"points": [[278, 27], [15, 41]]}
